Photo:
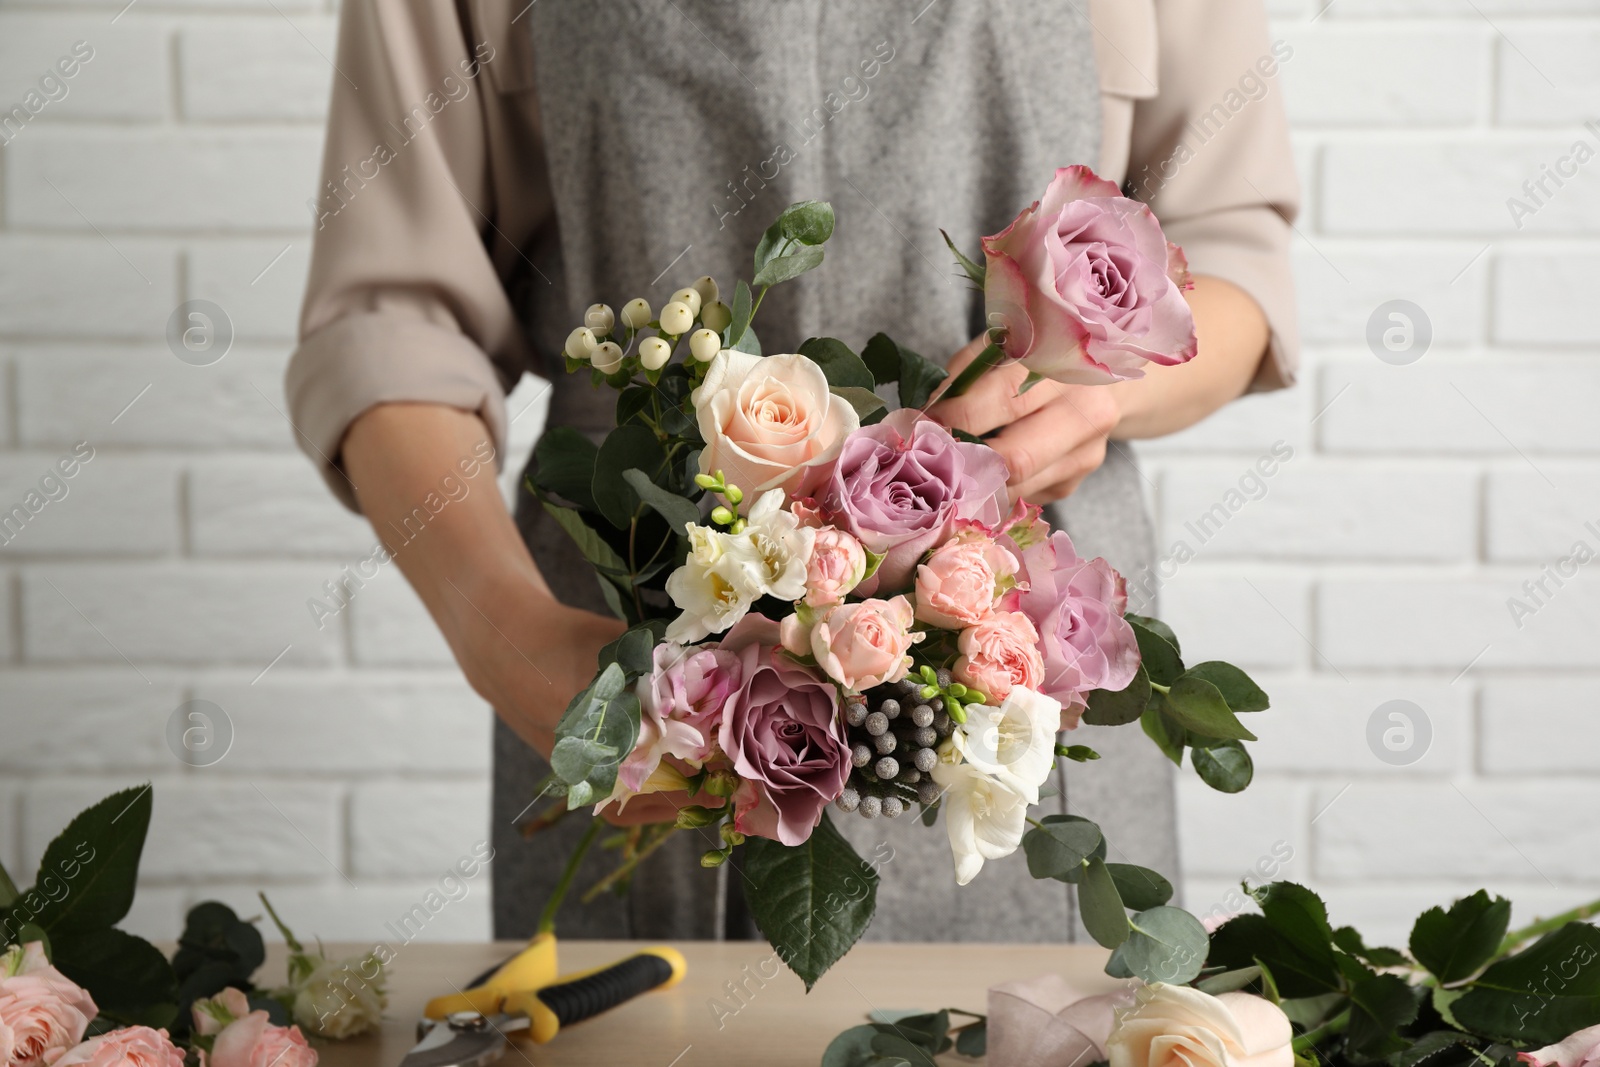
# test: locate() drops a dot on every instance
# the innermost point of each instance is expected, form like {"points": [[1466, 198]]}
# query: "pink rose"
{"points": [[900, 487], [252, 1041], [769, 422], [958, 585], [999, 653], [784, 735], [837, 565], [1581, 1049], [136, 1046], [1086, 286], [1077, 606], [680, 705], [42, 1011], [865, 644]]}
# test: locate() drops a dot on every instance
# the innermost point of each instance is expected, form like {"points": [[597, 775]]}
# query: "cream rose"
{"points": [[1175, 1026], [769, 421]]}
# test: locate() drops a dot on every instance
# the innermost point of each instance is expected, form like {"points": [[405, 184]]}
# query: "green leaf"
{"points": [[1250, 939], [1236, 688], [591, 544], [1199, 706], [1075, 875], [1167, 734], [740, 311], [790, 265], [767, 248], [1159, 656], [1299, 916], [973, 1040], [1057, 849], [1100, 905], [680, 512], [1380, 1004], [865, 402], [1229, 981], [842, 367], [1156, 626], [882, 357], [1107, 708], [748, 343], [624, 447], [917, 376], [129, 978], [96, 860], [1349, 939], [975, 272], [598, 729], [1166, 945], [634, 650], [1140, 888], [810, 222], [564, 464], [1453, 945], [1225, 767], [1529, 997], [853, 1048], [813, 900]]}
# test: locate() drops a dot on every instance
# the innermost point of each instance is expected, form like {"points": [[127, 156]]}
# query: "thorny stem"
{"points": [[1544, 926]]}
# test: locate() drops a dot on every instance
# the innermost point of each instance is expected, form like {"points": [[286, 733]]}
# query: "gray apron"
{"points": [[675, 132]]}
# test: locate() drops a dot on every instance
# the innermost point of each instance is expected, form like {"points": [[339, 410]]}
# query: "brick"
{"points": [[173, 613], [113, 505], [85, 720], [10, 844], [1547, 75], [1524, 831], [1434, 75], [260, 283], [1250, 425], [370, 914], [271, 506], [1308, 508], [1219, 616], [192, 5], [1531, 521], [416, 828], [256, 68], [390, 627], [9, 638], [99, 395], [1451, 187], [270, 830], [1447, 623], [1319, 726], [1538, 298], [1232, 835], [157, 913], [124, 78], [1342, 9], [162, 181], [1530, 725], [1444, 405], [70, 286], [417, 726], [1339, 294]]}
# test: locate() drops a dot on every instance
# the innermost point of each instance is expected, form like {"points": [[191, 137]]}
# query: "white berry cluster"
{"points": [[606, 340]]}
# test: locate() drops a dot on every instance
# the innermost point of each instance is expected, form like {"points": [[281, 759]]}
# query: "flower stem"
{"points": [[638, 857], [547, 917], [1544, 926], [989, 358], [288, 937], [1335, 1025]]}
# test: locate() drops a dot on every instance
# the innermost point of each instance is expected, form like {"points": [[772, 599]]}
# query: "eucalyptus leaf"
{"points": [[1140, 888], [1100, 905], [563, 463], [788, 266], [590, 544], [1108, 708], [634, 649], [679, 512], [624, 448], [809, 222], [852, 1048], [598, 729], [1166, 944], [1057, 849], [741, 311], [1225, 767]]}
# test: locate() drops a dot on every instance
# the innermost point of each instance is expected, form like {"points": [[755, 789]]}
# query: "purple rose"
{"points": [[783, 732], [901, 485], [1077, 606], [1086, 286]]}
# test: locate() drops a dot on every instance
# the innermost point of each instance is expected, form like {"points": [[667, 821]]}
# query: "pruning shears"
{"points": [[525, 995]]}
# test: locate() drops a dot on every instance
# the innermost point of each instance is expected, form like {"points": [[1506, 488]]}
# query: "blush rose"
{"points": [[42, 1012], [998, 654]]}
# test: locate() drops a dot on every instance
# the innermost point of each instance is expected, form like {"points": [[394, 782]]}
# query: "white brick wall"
{"points": [[1375, 566]]}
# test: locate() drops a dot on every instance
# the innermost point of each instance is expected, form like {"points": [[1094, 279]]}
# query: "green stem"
{"points": [[547, 918], [1544, 926], [627, 867], [8, 889], [1158, 687], [989, 358], [288, 937], [1335, 1025]]}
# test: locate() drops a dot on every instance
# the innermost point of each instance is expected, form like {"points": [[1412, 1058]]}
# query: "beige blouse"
{"points": [[434, 182]]}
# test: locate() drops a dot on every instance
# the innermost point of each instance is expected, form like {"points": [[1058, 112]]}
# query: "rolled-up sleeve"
{"points": [[404, 301], [1210, 154]]}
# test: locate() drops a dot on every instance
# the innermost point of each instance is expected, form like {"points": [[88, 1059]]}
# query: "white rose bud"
{"points": [[580, 343], [676, 318], [607, 356], [704, 345], [689, 298], [636, 313], [716, 316], [599, 318], [707, 288], [654, 353]]}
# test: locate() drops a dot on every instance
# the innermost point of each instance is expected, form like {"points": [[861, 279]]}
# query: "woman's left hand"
{"points": [[1052, 437]]}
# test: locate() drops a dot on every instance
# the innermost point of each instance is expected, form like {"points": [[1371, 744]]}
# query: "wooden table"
{"points": [[765, 1017]]}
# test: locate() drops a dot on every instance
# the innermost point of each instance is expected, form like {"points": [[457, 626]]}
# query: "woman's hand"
{"points": [[1052, 437]]}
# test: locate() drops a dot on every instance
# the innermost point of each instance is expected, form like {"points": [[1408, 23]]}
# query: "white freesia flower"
{"points": [[778, 545], [1014, 743], [715, 586], [984, 817]]}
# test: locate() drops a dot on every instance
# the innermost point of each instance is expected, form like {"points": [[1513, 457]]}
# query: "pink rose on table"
{"points": [[680, 705], [1086, 286], [865, 644], [1581, 1049], [42, 1012], [136, 1046], [1077, 605], [837, 565], [901, 485], [252, 1041], [784, 736], [959, 584], [769, 422], [998, 654]]}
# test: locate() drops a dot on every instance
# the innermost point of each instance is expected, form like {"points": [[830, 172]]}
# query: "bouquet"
{"points": [[836, 604]]}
